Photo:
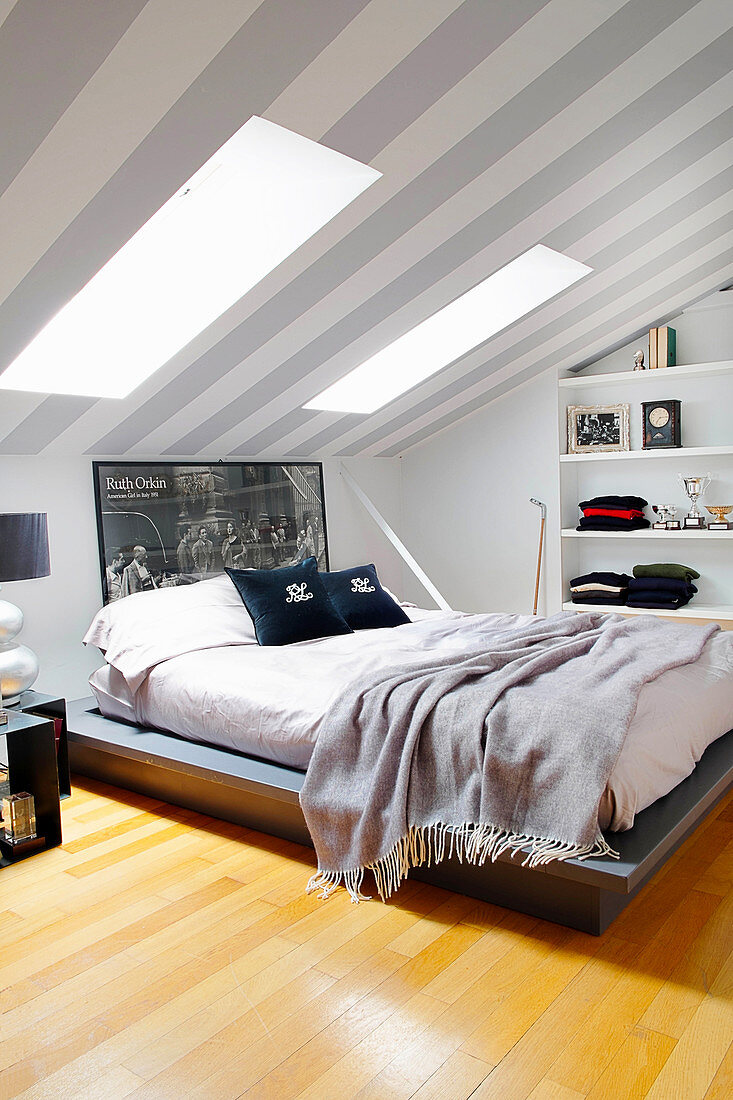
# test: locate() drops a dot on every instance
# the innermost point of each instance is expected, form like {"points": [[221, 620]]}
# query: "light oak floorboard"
{"points": [[695, 1059], [456, 1079], [721, 1087], [161, 954]]}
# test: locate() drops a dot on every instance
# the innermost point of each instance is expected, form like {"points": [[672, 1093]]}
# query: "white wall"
{"points": [[59, 608], [354, 538], [466, 510], [704, 335]]}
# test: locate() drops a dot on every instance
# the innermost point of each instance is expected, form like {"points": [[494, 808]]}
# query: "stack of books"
{"points": [[662, 347]]}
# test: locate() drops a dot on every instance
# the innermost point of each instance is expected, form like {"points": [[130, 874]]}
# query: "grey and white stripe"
{"points": [[604, 130]]}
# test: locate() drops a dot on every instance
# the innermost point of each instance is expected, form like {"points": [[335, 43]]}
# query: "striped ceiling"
{"points": [[600, 128]]}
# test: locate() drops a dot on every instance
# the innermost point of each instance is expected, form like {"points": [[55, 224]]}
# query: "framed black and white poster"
{"points": [[598, 428], [161, 524]]}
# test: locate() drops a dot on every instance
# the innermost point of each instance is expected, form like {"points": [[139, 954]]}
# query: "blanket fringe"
{"points": [[327, 881], [430, 844]]}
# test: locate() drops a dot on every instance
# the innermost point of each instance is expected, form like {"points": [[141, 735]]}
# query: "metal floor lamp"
{"points": [[543, 509]]}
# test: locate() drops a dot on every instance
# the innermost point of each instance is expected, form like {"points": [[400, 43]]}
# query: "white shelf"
{"points": [[671, 452], [663, 375], [689, 611], [648, 533]]}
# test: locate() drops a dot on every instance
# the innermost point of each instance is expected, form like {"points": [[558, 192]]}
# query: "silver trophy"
{"points": [[694, 487], [665, 521]]}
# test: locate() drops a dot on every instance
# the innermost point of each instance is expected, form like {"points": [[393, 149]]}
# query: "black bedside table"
{"points": [[50, 706], [30, 750]]}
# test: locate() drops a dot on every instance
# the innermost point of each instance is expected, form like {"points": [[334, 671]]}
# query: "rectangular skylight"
{"points": [[254, 202], [470, 320]]}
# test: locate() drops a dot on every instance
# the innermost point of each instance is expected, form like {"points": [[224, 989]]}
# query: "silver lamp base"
{"points": [[18, 663]]}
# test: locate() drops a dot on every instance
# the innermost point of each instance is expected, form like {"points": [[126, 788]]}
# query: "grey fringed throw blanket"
{"points": [[505, 747]]}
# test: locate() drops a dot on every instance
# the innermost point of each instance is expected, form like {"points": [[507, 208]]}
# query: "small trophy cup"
{"points": [[719, 511], [666, 520], [694, 487], [673, 524]]}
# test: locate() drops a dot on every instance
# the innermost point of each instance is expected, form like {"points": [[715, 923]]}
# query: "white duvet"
{"points": [[186, 660]]}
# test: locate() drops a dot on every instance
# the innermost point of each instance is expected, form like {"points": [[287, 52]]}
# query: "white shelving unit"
{"points": [[700, 612], [662, 377], [677, 452], [649, 535], [705, 391]]}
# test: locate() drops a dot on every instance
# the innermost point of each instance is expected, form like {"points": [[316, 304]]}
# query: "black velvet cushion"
{"points": [[288, 605], [358, 596]]}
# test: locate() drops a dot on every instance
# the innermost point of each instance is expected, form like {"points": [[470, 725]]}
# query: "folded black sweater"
{"points": [[619, 580], [614, 502], [599, 597]]}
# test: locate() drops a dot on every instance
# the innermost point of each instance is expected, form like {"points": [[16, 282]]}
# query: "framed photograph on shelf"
{"points": [[162, 524], [594, 428]]}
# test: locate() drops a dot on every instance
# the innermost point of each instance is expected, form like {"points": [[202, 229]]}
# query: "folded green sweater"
{"points": [[667, 569]]}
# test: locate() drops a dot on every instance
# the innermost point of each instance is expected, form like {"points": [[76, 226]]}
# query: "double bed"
{"points": [[187, 706]]}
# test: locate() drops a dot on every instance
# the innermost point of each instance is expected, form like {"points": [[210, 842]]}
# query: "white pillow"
{"points": [[138, 632], [402, 603]]}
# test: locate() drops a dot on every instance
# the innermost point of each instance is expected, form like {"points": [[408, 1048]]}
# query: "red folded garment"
{"points": [[617, 513]]}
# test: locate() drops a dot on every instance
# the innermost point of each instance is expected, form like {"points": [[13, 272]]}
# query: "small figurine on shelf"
{"points": [[639, 360]]}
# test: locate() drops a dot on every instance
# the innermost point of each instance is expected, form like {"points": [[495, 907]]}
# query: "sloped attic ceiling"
{"points": [[600, 128]]}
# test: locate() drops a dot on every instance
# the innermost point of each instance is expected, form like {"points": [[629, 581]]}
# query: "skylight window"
{"points": [[265, 192], [470, 320]]}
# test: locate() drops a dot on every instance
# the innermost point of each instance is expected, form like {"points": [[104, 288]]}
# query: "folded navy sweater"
{"points": [[671, 603], [662, 586], [651, 597], [611, 523]]}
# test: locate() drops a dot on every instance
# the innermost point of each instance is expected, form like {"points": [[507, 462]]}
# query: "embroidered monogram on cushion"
{"points": [[361, 584], [297, 593]]}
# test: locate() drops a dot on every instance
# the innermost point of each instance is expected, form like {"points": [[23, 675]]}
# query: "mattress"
{"points": [[270, 701]]}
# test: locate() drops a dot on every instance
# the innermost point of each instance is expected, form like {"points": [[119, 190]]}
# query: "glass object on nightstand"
{"points": [[19, 817], [4, 773]]}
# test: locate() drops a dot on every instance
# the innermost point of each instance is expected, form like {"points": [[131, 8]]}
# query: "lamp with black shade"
{"points": [[23, 556]]}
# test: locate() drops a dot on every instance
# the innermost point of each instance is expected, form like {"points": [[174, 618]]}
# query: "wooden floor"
{"points": [[161, 954]]}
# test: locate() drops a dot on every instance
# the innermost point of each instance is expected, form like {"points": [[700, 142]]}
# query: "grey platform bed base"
{"points": [[585, 895]]}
